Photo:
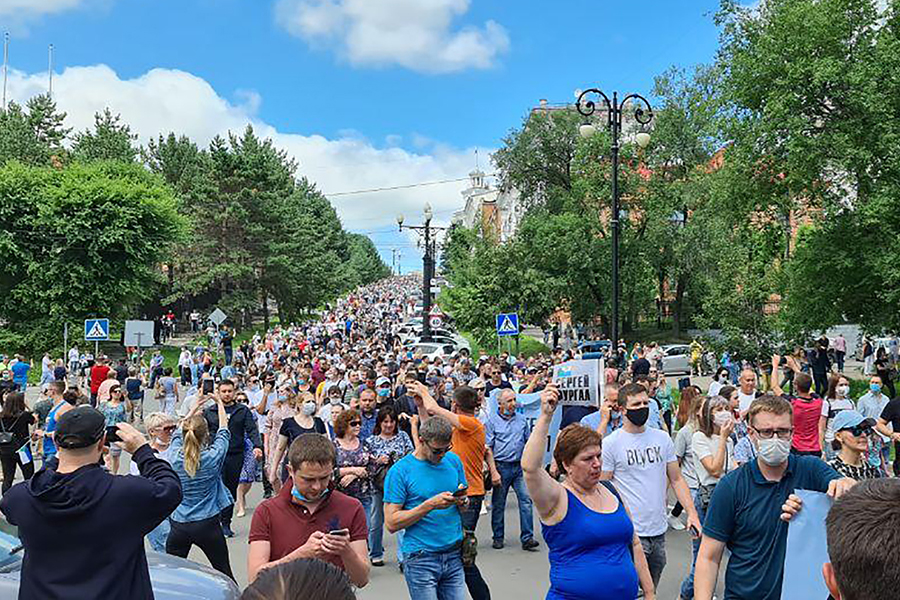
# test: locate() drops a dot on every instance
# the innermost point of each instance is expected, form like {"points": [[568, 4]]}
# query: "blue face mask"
{"points": [[384, 392], [296, 494], [875, 387]]}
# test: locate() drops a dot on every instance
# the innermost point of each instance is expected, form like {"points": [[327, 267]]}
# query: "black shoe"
{"points": [[530, 545], [226, 531], [497, 545]]}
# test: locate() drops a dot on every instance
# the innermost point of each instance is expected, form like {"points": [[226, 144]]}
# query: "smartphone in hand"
{"points": [[339, 532]]}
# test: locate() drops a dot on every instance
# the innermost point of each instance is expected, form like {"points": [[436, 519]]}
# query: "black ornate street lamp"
{"points": [[614, 111], [428, 265]]}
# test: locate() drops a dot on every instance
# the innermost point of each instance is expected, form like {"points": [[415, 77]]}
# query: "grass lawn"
{"points": [[527, 346]]}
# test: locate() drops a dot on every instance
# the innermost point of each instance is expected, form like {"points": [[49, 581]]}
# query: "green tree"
{"points": [[111, 139], [32, 135], [365, 265], [80, 241]]}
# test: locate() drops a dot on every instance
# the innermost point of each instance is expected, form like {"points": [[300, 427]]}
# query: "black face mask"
{"points": [[638, 416]]}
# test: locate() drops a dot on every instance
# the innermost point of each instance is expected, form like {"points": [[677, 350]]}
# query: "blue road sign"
{"points": [[508, 324], [96, 330]]}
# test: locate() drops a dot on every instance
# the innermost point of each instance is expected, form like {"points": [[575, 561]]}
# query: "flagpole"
{"points": [[50, 72], [5, 66]]}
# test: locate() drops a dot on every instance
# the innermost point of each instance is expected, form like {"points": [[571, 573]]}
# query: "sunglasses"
{"points": [[169, 428], [858, 430], [355, 423], [443, 450]]}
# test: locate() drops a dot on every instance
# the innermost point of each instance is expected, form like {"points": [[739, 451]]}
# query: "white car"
{"points": [[432, 350], [676, 359]]}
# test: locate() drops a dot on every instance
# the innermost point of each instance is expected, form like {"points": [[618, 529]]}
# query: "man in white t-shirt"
{"points": [[640, 461], [747, 391]]}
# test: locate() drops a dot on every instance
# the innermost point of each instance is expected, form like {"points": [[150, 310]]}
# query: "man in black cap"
{"points": [[81, 527]]}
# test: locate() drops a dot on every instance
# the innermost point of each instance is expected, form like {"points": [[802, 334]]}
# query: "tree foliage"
{"points": [[76, 242], [108, 228]]}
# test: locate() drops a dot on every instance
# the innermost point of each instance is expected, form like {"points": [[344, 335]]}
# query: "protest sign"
{"points": [[529, 406], [807, 549], [578, 382]]}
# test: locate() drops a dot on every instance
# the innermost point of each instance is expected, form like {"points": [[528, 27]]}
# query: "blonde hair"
{"points": [[155, 420], [299, 399], [196, 431]]}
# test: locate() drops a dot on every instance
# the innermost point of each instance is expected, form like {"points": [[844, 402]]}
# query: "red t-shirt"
{"points": [[807, 412], [287, 526], [98, 376]]}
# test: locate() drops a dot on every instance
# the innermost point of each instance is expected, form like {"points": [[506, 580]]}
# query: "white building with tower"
{"points": [[496, 210]]}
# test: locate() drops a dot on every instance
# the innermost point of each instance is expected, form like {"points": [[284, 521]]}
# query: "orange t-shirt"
{"points": [[468, 445]]}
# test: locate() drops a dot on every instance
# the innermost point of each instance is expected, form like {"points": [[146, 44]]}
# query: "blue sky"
{"points": [[365, 93]]}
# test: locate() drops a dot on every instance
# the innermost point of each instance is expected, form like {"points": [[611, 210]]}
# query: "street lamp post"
{"points": [[614, 111], [427, 265]]}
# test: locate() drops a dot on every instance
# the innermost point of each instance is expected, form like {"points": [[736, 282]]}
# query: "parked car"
{"points": [[172, 578], [676, 359], [595, 346], [432, 350]]}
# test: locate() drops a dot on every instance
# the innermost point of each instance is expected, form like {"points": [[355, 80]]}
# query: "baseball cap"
{"points": [[846, 419], [381, 381], [80, 427]]}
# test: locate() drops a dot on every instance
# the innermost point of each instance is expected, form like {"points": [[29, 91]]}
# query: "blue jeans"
{"points": [[511, 476], [687, 586], [158, 536], [366, 502], [435, 575], [376, 529]]}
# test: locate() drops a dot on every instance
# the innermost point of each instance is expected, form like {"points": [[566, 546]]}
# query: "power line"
{"points": [[399, 187]]}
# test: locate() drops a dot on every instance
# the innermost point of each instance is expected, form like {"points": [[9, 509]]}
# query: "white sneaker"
{"points": [[483, 510], [675, 523]]}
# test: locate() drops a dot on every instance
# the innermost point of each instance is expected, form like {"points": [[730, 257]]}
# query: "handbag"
{"points": [[380, 475], [7, 437]]}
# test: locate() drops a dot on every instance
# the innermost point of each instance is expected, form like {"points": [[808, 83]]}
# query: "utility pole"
{"points": [[427, 266], [615, 109]]}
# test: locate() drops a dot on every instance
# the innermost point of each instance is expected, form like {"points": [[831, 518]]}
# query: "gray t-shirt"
{"points": [[686, 455]]}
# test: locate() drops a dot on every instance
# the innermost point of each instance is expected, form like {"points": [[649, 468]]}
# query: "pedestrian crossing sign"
{"points": [[96, 330], [508, 324]]}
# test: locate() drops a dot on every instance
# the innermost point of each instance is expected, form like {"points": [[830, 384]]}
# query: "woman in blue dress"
{"points": [[586, 526]]}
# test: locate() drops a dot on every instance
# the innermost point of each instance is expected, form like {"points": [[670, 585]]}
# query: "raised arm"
{"points": [[775, 378], [432, 408], [546, 493]]}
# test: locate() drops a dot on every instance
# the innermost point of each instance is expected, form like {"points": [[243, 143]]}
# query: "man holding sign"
{"points": [[506, 433]]}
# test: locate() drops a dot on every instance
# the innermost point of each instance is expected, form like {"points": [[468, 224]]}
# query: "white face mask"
{"points": [[722, 418], [843, 391], [774, 451], [308, 408]]}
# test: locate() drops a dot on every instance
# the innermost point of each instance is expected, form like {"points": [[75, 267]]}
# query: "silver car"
{"points": [[676, 359], [172, 578]]}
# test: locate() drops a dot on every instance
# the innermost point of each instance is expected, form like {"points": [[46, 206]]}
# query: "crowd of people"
{"points": [[350, 434]]}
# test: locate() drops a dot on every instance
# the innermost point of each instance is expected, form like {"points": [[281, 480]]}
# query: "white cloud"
{"points": [[415, 34], [165, 100]]}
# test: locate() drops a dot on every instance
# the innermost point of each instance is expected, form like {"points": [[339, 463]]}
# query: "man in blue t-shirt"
{"points": [[20, 370], [750, 505], [419, 498]]}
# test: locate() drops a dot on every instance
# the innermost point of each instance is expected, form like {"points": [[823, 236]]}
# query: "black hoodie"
{"points": [[83, 532]]}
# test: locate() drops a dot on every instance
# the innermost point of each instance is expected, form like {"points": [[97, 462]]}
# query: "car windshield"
{"points": [[10, 545], [426, 349]]}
